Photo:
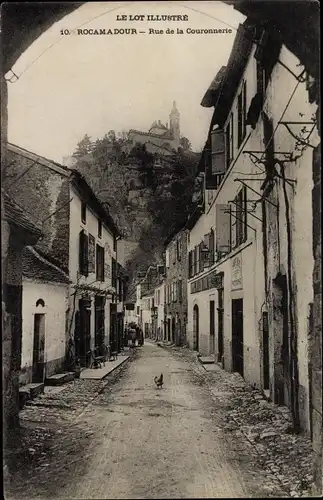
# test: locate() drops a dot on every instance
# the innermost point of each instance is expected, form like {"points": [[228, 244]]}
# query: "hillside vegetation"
{"points": [[146, 194]]}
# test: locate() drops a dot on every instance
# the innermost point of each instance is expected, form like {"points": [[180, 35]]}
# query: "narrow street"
{"points": [[135, 441]]}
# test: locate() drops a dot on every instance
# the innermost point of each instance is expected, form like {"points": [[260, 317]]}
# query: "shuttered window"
{"points": [[99, 263], [84, 253], [211, 247], [223, 230], [242, 115], [229, 142], [190, 270], [240, 216], [180, 290], [114, 273], [216, 166]]}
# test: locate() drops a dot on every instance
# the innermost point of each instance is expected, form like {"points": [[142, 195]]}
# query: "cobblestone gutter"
{"points": [[51, 433], [263, 424]]}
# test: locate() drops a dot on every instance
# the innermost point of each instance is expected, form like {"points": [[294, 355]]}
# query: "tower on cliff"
{"points": [[174, 124]]}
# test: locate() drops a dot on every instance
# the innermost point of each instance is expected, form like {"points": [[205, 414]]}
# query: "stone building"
{"points": [[45, 292], [176, 286], [300, 36], [80, 241], [160, 138], [250, 254], [149, 303], [18, 230]]}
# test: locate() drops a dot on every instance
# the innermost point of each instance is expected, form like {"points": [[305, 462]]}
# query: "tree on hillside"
{"points": [[84, 147], [185, 144]]}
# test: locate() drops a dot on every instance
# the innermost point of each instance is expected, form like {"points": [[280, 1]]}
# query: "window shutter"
{"points": [[86, 254], [223, 229], [211, 247], [180, 291], [81, 252], [102, 264], [215, 168]]}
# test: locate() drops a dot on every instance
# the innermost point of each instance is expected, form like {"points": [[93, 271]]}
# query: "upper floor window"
{"points": [[216, 161], [114, 273], [178, 249], [99, 263], [180, 290], [114, 244], [242, 104], [84, 253], [83, 212], [99, 228], [229, 142], [239, 219]]}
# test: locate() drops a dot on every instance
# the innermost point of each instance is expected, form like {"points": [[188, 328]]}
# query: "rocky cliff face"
{"points": [[145, 194]]}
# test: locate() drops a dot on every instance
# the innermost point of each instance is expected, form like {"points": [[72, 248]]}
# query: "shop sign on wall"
{"points": [[236, 272]]}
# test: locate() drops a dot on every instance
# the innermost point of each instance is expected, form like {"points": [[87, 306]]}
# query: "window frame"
{"points": [[229, 142], [83, 212], [99, 228]]}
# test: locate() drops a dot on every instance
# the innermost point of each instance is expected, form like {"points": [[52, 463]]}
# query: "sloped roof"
{"points": [[79, 181], [17, 216], [212, 92], [222, 90], [36, 267], [158, 125]]}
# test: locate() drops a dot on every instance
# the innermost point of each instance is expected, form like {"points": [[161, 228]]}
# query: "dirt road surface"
{"points": [[150, 443]]}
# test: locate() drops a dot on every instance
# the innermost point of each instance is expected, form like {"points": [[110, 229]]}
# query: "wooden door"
{"points": [[39, 348], [237, 336]]}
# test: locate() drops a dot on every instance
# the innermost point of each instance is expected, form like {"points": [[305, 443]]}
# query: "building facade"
{"points": [[161, 139], [176, 287], [45, 292], [250, 253], [79, 239]]}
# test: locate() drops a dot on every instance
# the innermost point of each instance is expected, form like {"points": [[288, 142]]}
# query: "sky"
{"points": [[72, 85]]}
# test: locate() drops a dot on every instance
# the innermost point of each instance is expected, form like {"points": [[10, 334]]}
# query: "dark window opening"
{"points": [[229, 142], [99, 263], [83, 212], [99, 229], [84, 253], [239, 218], [242, 98]]}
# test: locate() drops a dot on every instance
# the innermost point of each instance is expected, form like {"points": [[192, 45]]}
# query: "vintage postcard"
{"points": [[161, 249]]}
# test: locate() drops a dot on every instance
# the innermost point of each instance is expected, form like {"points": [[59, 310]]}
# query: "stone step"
{"points": [[29, 391], [60, 378], [212, 367], [206, 360]]}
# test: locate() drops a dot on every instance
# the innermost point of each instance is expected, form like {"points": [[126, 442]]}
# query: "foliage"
{"points": [[113, 167]]}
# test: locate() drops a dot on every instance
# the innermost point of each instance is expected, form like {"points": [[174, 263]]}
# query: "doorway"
{"points": [[85, 331], [39, 348], [113, 328], [212, 327], [265, 349], [237, 336], [173, 330], [220, 325], [196, 328], [168, 329], [99, 321]]}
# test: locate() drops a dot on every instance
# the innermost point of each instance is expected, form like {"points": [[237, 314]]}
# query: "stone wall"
{"points": [[177, 270], [44, 194]]}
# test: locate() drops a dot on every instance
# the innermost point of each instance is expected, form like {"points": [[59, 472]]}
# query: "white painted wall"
{"points": [[55, 297], [279, 107], [91, 227]]}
